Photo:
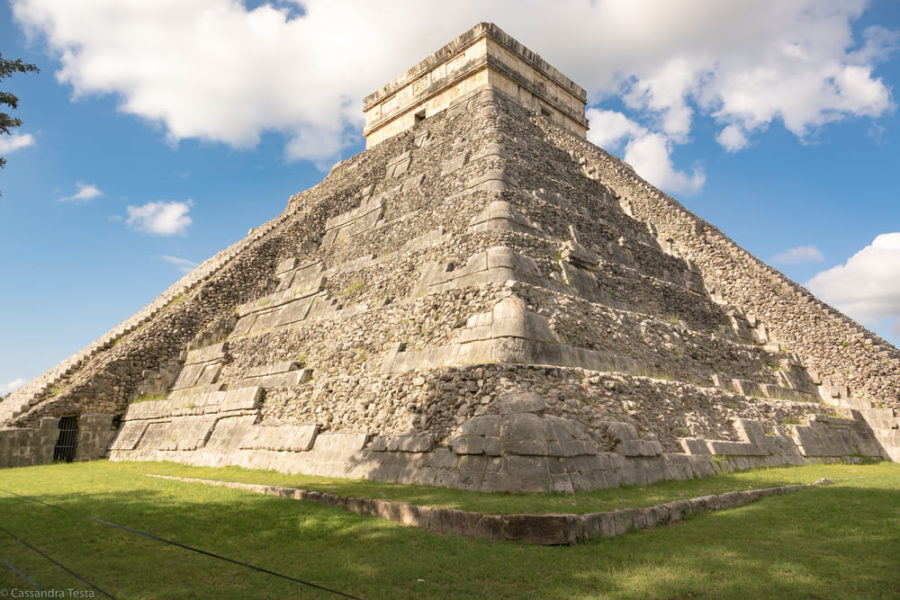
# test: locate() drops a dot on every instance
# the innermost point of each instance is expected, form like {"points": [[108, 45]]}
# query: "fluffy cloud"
{"points": [[12, 386], [16, 141], [867, 286], [732, 138], [183, 264], [609, 128], [649, 155], [800, 254], [86, 192], [218, 70], [160, 218]]}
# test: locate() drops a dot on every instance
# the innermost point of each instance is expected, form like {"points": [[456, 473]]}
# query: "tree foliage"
{"points": [[8, 68]]}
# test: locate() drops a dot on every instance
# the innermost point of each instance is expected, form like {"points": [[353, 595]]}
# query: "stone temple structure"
{"points": [[482, 299]]}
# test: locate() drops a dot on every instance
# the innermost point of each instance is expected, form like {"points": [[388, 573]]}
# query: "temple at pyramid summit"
{"points": [[482, 299]]}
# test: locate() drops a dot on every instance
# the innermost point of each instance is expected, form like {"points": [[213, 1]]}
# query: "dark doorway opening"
{"points": [[67, 444]]}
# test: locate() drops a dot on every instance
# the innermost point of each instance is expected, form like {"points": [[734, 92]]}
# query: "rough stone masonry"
{"points": [[483, 300]]}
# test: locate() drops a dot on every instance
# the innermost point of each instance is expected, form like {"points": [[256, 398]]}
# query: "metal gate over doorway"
{"points": [[67, 444]]}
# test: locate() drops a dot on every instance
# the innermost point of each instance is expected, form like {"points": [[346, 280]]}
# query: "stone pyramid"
{"points": [[482, 299]]}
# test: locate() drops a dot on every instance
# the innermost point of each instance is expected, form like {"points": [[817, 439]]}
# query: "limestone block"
{"points": [[210, 374], [522, 403], [387, 363], [566, 448], [129, 435], [284, 281], [434, 237], [151, 409], [243, 326], [453, 164], [95, 433], [208, 353], [833, 392], [245, 398], [441, 458], [579, 256], [288, 379], [291, 438], [188, 433], [746, 388], [523, 426], [476, 444], [750, 431], [286, 265], [192, 394], [155, 436], [273, 369], [474, 334], [735, 448], [500, 256], [482, 352], [827, 437], [784, 393], [543, 529], [415, 442], [229, 433], [265, 321], [398, 165], [523, 474], [741, 328], [487, 425], [189, 376], [563, 429], [340, 442], [694, 446], [495, 180]]}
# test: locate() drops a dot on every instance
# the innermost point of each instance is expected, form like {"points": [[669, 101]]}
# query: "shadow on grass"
{"points": [[839, 541]]}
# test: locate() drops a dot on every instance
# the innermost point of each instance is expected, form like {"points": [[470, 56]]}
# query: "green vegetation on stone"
{"points": [[149, 398], [353, 288]]}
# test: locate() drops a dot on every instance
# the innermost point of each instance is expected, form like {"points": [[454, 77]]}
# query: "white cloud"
{"points": [[160, 218], [609, 128], [214, 70], [800, 254], [183, 264], [732, 138], [867, 286], [16, 141], [649, 155], [86, 192], [12, 386]]}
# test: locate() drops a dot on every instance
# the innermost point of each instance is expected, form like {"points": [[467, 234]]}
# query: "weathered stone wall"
{"points": [[21, 447], [838, 349], [461, 306]]}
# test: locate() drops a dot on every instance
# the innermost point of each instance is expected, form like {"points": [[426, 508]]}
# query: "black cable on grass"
{"points": [[55, 562], [20, 574], [185, 546]]}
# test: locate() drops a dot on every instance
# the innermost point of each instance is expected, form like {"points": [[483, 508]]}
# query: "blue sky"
{"points": [[158, 133]]}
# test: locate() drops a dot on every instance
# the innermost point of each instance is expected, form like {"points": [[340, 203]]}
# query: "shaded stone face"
{"points": [[485, 301]]}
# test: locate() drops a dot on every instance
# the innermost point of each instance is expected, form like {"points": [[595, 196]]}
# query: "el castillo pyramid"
{"points": [[481, 299]]}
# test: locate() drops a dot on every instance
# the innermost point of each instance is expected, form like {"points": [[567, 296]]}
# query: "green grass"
{"points": [[504, 503], [838, 541]]}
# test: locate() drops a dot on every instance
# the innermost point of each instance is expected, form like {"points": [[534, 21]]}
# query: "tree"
{"points": [[7, 69]]}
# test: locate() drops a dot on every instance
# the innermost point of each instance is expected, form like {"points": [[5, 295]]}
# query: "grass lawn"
{"points": [[840, 541]]}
